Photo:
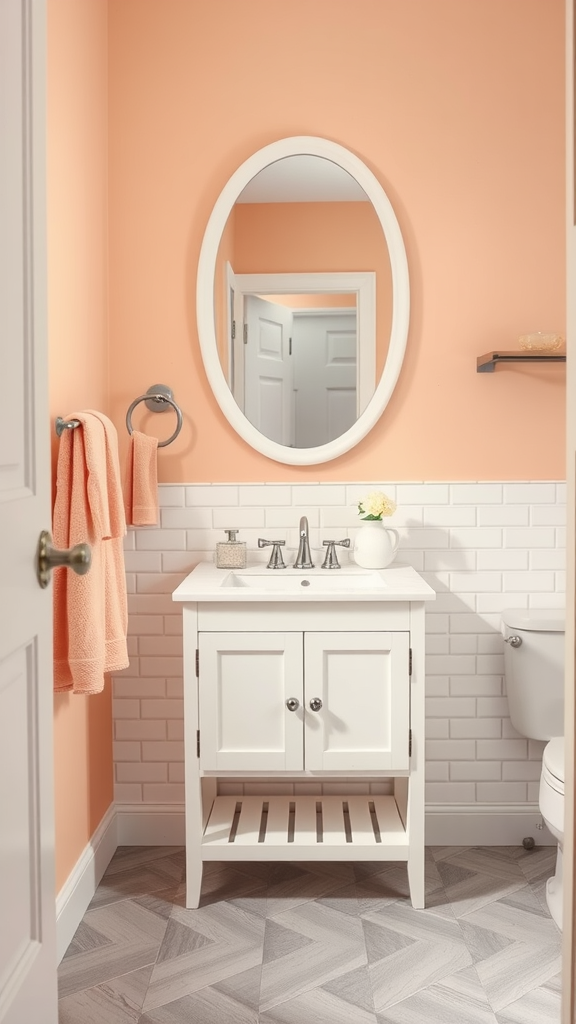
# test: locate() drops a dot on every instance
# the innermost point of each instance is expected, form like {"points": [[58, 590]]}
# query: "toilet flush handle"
{"points": [[514, 641]]}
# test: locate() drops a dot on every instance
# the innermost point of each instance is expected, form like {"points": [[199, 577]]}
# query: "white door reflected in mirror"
{"points": [[325, 394], [269, 369], [276, 308], [299, 372]]}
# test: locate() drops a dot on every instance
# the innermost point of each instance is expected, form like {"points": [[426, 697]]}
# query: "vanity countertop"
{"points": [[257, 583]]}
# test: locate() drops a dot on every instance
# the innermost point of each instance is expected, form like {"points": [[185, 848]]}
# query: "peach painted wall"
{"points": [[78, 350], [436, 96], [280, 238]]}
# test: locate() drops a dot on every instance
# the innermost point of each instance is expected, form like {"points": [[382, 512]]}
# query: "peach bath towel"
{"points": [[90, 612], [141, 480]]}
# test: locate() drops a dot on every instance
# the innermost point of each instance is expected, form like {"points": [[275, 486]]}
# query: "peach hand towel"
{"points": [[90, 612], [141, 480]]}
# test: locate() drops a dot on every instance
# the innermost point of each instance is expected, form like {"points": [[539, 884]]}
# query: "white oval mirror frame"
{"points": [[295, 146]]}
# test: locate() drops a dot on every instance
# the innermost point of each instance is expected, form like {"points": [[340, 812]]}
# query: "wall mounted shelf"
{"points": [[487, 362]]}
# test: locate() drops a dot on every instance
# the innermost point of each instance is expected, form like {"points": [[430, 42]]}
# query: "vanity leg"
{"points": [[416, 877], [201, 794], [193, 879], [193, 856]]}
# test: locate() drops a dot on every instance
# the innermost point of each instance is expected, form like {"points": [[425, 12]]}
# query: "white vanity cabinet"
{"points": [[315, 690], [315, 701]]}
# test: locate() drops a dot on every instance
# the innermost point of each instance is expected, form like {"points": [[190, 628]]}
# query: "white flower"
{"points": [[375, 505]]}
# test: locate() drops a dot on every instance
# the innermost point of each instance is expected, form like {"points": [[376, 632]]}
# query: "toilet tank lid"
{"points": [[550, 620]]}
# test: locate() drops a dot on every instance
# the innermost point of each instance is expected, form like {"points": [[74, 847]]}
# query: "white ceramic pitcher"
{"points": [[376, 545]]}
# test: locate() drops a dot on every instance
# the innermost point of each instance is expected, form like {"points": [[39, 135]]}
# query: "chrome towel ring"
{"points": [[158, 398]]}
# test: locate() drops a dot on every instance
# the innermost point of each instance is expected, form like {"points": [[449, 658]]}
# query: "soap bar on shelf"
{"points": [[541, 341]]}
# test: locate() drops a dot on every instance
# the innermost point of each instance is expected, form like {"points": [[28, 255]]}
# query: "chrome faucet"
{"points": [[303, 558]]}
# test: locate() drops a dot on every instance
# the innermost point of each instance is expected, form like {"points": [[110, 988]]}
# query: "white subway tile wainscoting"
{"points": [[481, 546]]}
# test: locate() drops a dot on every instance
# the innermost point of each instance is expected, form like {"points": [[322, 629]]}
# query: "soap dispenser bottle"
{"points": [[231, 553]]}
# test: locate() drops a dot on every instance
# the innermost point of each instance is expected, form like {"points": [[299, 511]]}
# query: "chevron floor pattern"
{"points": [[309, 943]]}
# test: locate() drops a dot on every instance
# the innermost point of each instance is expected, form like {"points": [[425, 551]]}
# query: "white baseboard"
{"points": [[485, 825], [164, 825], [150, 824], [446, 825], [122, 825], [80, 886]]}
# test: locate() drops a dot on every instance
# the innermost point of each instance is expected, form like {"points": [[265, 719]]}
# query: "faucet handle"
{"points": [[275, 561], [331, 559]]}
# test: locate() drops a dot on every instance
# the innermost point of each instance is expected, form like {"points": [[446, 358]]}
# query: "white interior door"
{"points": [[27, 899], [325, 376], [268, 381]]}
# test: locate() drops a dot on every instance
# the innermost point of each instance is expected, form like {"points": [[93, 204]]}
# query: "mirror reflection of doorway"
{"points": [[300, 394], [300, 371]]}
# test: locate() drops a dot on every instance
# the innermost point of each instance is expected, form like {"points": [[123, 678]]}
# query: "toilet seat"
{"points": [[551, 795], [553, 764]]}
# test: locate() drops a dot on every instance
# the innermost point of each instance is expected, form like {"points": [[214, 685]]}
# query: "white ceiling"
{"points": [[303, 179]]}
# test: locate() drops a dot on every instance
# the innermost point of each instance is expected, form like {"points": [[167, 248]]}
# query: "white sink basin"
{"points": [[311, 581], [259, 585]]}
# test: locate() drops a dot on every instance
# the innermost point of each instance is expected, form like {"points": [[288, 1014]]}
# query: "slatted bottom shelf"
{"points": [[304, 828]]}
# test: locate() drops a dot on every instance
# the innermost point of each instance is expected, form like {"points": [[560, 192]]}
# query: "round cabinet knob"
{"points": [[514, 641], [315, 704], [292, 704]]}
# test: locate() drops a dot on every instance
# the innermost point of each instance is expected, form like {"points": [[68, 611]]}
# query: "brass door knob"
{"points": [[78, 558]]}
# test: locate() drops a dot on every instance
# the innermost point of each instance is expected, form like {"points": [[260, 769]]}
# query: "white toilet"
{"points": [[534, 671]]}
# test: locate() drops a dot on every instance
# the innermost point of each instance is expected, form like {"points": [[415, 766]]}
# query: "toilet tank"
{"points": [[534, 671]]}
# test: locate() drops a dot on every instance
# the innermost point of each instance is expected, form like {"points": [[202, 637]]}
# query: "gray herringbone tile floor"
{"points": [[330, 943]]}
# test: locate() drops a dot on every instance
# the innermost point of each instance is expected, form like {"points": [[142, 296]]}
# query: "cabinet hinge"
{"points": [[410, 662], [233, 330], [245, 334], [197, 662], [289, 346], [409, 743], [198, 743]]}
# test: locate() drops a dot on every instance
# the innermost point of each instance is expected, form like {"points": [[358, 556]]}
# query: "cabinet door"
{"points": [[363, 682], [245, 680]]}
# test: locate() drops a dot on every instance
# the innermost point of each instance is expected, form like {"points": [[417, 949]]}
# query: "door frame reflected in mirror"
{"points": [[323, 148], [361, 285]]}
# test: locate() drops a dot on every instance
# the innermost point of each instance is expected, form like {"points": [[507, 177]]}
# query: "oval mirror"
{"points": [[302, 300]]}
